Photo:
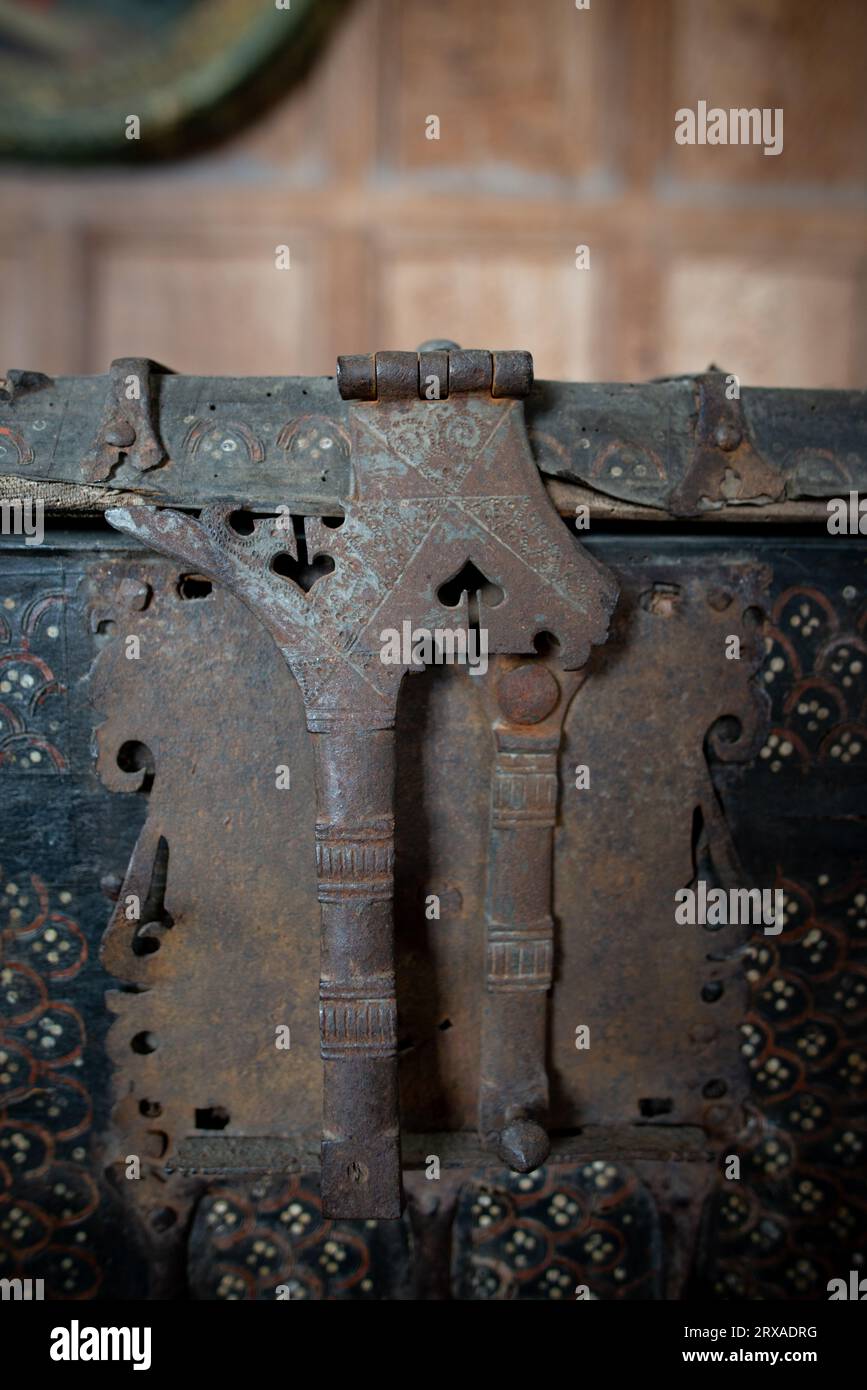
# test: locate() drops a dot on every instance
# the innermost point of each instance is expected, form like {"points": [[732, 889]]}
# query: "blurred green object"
{"points": [[72, 72]]}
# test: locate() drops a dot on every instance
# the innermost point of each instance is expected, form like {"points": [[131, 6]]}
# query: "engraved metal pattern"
{"points": [[526, 703], [435, 485], [525, 789]]}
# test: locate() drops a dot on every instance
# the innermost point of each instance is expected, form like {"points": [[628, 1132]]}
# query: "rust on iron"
{"points": [[527, 703], [527, 693], [397, 375], [127, 426], [356, 377], [402, 375], [433, 373], [629, 448], [435, 487], [726, 467], [470, 370], [213, 708], [512, 374]]}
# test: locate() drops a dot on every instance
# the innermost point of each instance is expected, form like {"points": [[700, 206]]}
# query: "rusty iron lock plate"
{"points": [[438, 487]]}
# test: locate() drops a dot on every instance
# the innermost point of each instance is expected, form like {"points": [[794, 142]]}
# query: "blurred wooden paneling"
{"points": [[794, 54], [557, 128], [191, 303], [429, 293], [18, 329], [515, 87], [727, 311]]}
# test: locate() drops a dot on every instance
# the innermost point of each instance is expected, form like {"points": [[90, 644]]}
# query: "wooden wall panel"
{"points": [[557, 129], [18, 335], [481, 299], [326, 130], [728, 311], [197, 304], [515, 86], [793, 54]]}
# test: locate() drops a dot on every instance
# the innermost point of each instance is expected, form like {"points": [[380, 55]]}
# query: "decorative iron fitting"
{"points": [[432, 492], [527, 703], [127, 426], [726, 469], [355, 861], [434, 374], [525, 789], [520, 957], [350, 1025]]}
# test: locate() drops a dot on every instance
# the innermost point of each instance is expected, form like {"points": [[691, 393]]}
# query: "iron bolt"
{"points": [[524, 1145], [119, 434], [527, 694]]}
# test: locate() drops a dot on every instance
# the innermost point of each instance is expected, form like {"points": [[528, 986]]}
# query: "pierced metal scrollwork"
{"points": [[436, 484]]}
